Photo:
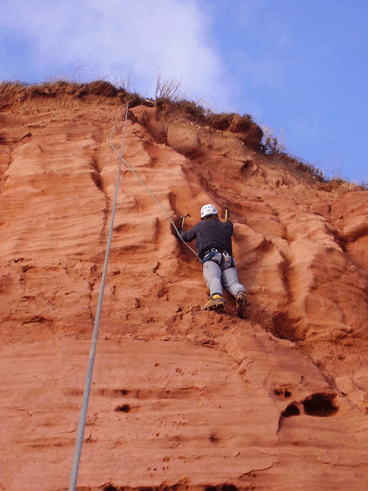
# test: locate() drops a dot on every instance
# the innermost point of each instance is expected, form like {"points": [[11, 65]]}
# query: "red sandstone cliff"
{"points": [[180, 399]]}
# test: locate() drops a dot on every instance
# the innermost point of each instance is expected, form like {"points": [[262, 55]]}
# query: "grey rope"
{"points": [[88, 382], [148, 190]]}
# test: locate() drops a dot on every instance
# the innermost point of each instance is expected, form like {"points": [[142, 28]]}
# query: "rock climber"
{"points": [[214, 246]]}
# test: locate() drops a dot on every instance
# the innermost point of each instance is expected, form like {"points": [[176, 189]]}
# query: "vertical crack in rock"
{"points": [[96, 177], [5, 161], [283, 324], [284, 269], [157, 234], [93, 278]]}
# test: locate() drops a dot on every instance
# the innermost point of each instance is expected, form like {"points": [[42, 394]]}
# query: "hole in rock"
{"points": [[111, 488], [213, 438], [37, 319], [284, 327], [125, 408], [291, 410], [282, 392], [229, 487], [320, 405]]}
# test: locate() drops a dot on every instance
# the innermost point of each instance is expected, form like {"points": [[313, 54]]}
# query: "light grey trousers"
{"points": [[217, 273]]}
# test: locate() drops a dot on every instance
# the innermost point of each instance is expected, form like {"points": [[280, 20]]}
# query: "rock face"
{"points": [[180, 399]]}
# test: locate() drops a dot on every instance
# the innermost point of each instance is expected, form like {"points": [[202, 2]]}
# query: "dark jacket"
{"points": [[210, 233]]}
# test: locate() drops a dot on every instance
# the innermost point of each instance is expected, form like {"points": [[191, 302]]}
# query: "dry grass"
{"points": [[168, 89]]}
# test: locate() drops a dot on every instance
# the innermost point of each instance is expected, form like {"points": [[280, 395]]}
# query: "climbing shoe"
{"points": [[241, 304], [216, 302]]}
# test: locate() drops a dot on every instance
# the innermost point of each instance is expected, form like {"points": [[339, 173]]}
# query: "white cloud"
{"points": [[116, 39]]}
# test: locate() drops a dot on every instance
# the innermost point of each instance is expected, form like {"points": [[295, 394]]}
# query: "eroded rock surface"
{"points": [[180, 399]]}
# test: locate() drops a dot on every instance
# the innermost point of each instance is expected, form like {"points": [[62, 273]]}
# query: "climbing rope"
{"points": [[88, 382], [147, 189]]}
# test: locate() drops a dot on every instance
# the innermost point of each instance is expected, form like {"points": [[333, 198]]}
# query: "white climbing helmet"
{"points": [[208, 210]]}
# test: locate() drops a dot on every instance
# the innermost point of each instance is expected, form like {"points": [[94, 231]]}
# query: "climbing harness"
{"points": [[147, 189], [223, 259], [88, 382], [209, 255]]}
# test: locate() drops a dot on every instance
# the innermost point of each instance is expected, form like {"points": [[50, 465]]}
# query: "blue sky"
{"points": [[299, 67]]}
